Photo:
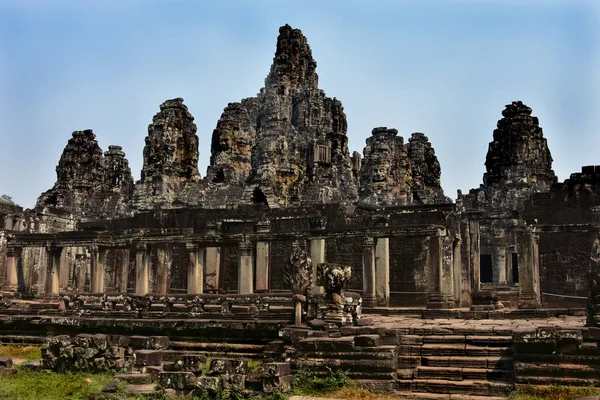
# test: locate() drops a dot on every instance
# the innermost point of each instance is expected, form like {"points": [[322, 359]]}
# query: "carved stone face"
{"points": [[381, 171]]}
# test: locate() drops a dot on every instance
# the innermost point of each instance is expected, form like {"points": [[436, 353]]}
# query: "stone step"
{"points": [[459, 374], [557, 370], [493, 362], [465, 387], [440, 396], [135, 378], [217, 347], [141, 389]]}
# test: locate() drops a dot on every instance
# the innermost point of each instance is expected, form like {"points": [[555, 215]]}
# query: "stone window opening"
{"points": [[323, 154]]}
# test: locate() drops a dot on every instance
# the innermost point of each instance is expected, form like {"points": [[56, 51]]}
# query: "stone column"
{"points": [[529, 284], [123, 273], [474, 255], [142, 270], [262, 266], [53, 270], [213, 268], [499, 264], [195, 283], [246, 269], [163, 268], [436, 298], [317, 256], [368, 261], [97, 262], [456, 264], [382, 271], [12, 280]]}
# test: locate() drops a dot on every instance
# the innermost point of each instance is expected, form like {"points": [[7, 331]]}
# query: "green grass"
{"points": [[26, 352], [25, 385], [553, 392]]}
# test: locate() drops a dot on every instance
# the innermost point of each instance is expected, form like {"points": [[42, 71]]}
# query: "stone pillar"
{"points": [[368, 263], [97, 263], [195, 283], [212, 268], [317, 256], [163, 268], [246, 269], [123, 274], [142, 270], [499, 264], [12, 279], [262, 266], [456, 265], [436, 298], [474, 255], [382, 271], [53, 270], [529, 283]]}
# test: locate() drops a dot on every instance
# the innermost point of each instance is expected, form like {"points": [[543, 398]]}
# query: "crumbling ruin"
{"points": [[209, 256]]}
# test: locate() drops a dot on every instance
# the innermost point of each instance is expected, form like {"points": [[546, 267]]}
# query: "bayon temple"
{"points": [[291, 243]]}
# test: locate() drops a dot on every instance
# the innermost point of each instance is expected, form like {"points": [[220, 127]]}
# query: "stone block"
{"points": [[99, 341], [158, 342], [281, 383], [139, 342], [228, 366], [192, 362], [177, 380], [276, 369], [367, 341], [147, 357], [6, 362], [208, 383], [409, 361], [234, 382], [411, 340]]}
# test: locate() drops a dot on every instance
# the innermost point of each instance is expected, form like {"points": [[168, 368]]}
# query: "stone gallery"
{"points": [[290, 248]]}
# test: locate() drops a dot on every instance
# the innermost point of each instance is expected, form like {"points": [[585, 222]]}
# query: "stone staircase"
{"points": [[444, 366]]}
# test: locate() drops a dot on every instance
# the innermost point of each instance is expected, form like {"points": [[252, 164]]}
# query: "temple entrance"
{"points": [[515, 267], [485, 268]]}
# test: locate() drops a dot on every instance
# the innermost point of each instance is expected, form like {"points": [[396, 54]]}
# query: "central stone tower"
{"points": [[287, 146]]}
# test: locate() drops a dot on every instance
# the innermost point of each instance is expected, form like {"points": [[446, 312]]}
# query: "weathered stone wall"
{"points": [[564, 262], [408, 271]]}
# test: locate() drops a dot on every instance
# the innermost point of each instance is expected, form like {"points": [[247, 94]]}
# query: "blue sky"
{"points": [[445, 68]]}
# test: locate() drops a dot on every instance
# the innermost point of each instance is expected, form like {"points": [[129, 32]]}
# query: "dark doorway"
{"points": [[485, 268], [258, 197], [515, 267]]}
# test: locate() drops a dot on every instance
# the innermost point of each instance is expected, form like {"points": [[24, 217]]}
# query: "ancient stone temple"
{"points": [[290, 246]]}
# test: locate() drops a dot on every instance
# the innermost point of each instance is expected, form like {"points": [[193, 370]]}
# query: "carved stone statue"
{"points": [[334, 277], [299, 275]]}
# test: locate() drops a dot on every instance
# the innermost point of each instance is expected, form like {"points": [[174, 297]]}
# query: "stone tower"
{"points": [[288, 145], [170, 156], [518, 161], [90, 183]]}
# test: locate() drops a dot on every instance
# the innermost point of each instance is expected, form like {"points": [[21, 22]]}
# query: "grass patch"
{"points": [[553, 392], [305, 383], [26, 352], [254, 364], [352, 392], [51, 385]]}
